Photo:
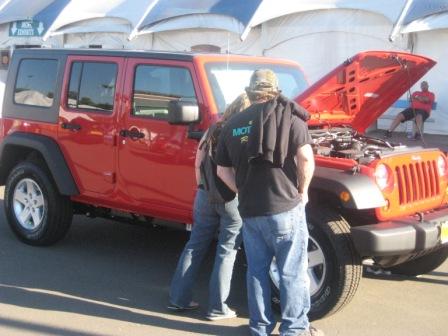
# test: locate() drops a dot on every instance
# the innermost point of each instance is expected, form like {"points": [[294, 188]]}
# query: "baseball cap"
{"points": [[263, 80]]}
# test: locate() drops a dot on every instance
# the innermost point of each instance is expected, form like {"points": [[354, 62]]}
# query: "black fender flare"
{"points": [[50, 151], [363, 191]]}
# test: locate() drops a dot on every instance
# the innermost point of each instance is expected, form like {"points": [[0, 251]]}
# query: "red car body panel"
{"points": [[154, 176], [361, 89]]}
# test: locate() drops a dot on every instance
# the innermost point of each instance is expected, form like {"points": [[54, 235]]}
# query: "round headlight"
{"points": [[441, 166], [383, 176]]}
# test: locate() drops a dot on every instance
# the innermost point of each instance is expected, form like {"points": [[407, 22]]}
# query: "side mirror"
{"points": [[183, 111]]}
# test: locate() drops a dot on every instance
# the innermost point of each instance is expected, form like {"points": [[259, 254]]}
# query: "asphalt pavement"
{"points": [[112, 279]]}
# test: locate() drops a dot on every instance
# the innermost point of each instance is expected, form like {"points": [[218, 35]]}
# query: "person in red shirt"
{"points": [[420, 109]]}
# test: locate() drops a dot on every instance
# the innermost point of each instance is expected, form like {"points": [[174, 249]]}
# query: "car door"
{"points": [[87, 121], [155, 158]]}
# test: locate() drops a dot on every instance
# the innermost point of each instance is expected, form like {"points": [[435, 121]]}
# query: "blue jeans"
{"points": [[208, 220], [285, 237]]}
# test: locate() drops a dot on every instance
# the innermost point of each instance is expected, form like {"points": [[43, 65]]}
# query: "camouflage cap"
{"points": [[263, 80]]}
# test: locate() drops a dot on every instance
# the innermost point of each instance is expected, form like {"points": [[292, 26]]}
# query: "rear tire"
{"points": [[37, 213], [422, 265], [335, 279]]}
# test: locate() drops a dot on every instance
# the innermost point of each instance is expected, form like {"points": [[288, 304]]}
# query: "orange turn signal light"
{"points": [[344, 196]]}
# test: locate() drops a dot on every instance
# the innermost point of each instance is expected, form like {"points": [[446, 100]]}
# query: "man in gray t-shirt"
{"points": [[270, 162]]}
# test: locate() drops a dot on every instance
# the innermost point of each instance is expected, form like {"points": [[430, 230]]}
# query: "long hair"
{"points": [[241, 103]]}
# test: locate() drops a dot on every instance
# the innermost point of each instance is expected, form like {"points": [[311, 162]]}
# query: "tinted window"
{"points": [[36, 82], [156, 86], [92, 86]]}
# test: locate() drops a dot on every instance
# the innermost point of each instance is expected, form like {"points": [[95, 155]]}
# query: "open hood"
{"points": [[361, 89]]}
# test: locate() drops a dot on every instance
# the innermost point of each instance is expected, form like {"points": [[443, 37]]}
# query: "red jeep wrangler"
{"points": [[114, 134]]}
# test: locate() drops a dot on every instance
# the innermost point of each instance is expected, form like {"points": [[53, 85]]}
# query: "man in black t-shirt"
{"points": [[264, 154]]}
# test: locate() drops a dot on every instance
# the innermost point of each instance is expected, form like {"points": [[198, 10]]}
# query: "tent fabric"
{"points": [[50, 13], [208, 21], [107, 41], [102, 25], [340, 32], [423, 8], [248, 13], [433, 22], [185, 12], [14, 10], [271, 9], [185, 39], [80, 10], [429, 43], [241, 11]]}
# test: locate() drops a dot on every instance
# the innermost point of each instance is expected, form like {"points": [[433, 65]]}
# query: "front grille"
{"points": [[417, 181]]}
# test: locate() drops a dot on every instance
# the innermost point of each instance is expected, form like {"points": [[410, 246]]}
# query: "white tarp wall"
{"points": [[322, 39], [185, 39], [319, 40], [434, 45], [431, 44]]}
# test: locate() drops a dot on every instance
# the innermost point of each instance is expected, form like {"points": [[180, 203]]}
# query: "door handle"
{"points": [[71, 126], [132, 134]]}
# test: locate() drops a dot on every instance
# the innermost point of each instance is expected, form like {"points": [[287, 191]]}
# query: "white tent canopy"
{"points": [[340, 33], [196, 21], [136, 12], [14, 10], [102, 25], [81, 16], [433, 22], [270, 9]]}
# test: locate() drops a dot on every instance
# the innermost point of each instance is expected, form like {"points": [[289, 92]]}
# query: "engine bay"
{"points": [[345, 142]]}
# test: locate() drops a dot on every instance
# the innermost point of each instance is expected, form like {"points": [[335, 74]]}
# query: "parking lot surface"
{"points": [[107, 278]]}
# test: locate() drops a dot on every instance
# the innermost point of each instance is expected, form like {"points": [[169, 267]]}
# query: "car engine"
{"points": [[345, 142]]}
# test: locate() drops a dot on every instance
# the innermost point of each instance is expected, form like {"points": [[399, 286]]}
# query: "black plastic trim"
{"points": [[52, 155], [364, 193], [399, 237]]}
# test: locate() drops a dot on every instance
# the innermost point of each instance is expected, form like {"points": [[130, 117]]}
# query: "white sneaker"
{"points": [[215, 317]]}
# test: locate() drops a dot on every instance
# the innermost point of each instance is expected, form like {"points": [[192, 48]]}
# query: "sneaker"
{"points": [[388, 134], [313, 332], [192, 306], [216, 317]]}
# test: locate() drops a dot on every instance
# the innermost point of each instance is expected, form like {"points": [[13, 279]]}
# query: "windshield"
{"points": [[228, 80]]}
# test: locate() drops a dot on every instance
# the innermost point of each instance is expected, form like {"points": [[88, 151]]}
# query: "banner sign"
{"points": [[26, 28]]}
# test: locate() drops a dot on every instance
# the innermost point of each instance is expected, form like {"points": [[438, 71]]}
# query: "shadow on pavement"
{"points": [[110, 270], [396, 277], [41, 328], [441, 274]]}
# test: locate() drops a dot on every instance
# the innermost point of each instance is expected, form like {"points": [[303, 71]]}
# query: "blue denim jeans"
{"points": [[285, 237], [208, 220]]}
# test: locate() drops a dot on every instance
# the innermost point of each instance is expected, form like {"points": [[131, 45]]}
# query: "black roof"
{"points": [[181, 56]]}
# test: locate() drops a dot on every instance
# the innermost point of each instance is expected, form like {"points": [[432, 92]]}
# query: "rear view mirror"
{"points": [[183, 111]]}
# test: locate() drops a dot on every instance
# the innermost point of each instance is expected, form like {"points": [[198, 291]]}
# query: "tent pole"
{"points": [[399, 23]]}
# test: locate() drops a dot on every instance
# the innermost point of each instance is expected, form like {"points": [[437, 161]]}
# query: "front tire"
{"points": [[422, 265], [37, 213], [335, 269]]}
